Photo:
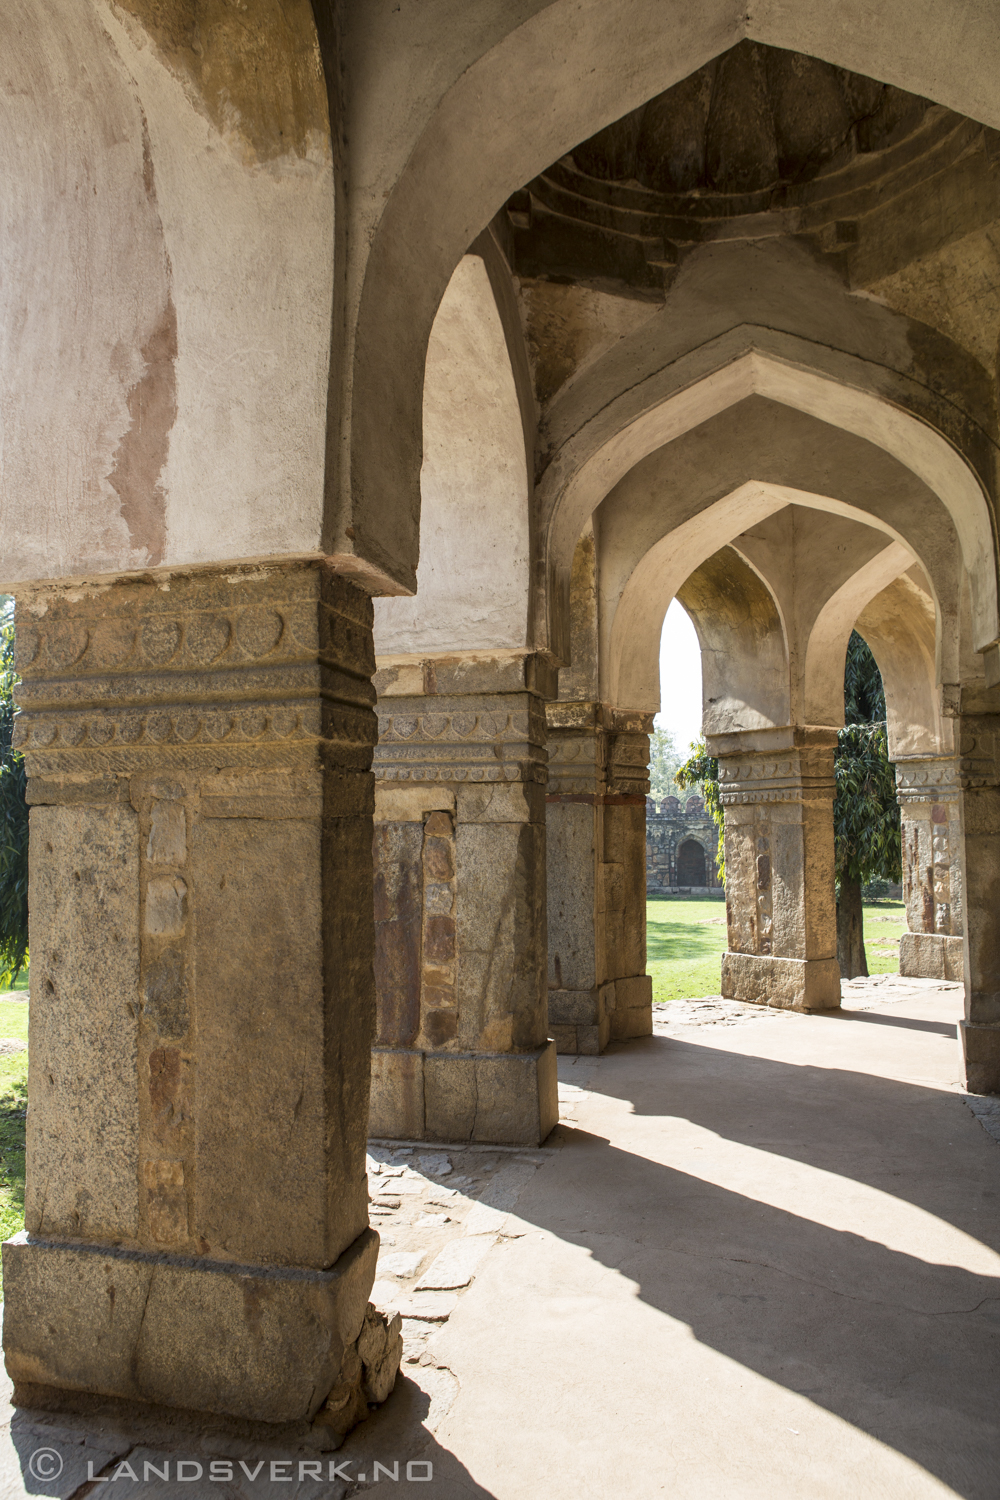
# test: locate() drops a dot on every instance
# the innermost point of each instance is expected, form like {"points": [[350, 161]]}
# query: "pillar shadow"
{"points": [[903, 1348], [855, 1125]]}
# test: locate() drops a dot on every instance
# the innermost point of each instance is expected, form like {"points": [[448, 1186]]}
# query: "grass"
{"points": [[686, 936], [13, 1105]]}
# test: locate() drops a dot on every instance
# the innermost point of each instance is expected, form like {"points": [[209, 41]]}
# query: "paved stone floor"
{"points": [[758, 1258]]}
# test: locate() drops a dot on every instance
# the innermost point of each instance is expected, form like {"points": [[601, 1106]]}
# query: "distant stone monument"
{"points": [[681, 842]]}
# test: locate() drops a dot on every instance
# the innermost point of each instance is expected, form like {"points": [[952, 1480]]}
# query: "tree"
{"points": [[664, 760], [866, 820], [702, 770], [13, 817]]}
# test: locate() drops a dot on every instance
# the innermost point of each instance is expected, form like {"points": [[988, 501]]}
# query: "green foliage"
{"points": [[664, 760], [864, 696], [865, 814], [702, 770], [13, 818]]}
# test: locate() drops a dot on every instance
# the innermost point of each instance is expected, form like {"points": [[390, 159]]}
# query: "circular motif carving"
{"points": [[160, 640], [207, 636], [66, 644], [158, 727], [26, 644], [111, 643], [186, 725], [102, 731], [259, 631]]}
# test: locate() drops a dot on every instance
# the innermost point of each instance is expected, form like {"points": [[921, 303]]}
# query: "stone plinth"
{"points": [[777, 789], [462, 1049], [979, 775], [596, 855], [198, 753], [929, 796]]}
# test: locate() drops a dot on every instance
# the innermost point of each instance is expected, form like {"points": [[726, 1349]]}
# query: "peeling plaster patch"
{"points": [[142, 452], [255, 73]]}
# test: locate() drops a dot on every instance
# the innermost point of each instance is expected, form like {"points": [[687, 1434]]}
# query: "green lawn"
{"points": [[13, 1103], [686, 935]]}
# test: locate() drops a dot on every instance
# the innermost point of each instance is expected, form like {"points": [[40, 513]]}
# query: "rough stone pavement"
{"points": [[759, 1258]]}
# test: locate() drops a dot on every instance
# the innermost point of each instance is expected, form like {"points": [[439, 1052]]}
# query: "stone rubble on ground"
{"points": [[986, 1108], [446, 1209], [671, 1016]]}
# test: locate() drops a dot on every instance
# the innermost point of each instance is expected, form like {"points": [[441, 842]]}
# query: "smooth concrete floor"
{"points": [[763, 1263]]}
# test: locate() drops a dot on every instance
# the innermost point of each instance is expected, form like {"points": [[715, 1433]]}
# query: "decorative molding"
{"points": [[211, 669], [479, 738], [798, 776], [979, 751], [929, 780]]}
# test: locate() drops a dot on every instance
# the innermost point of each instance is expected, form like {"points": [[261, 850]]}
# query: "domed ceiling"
{"points": [[759, 141]]}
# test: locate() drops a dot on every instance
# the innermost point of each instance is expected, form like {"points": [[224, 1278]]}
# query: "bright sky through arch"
{"points": [[680, 678]]}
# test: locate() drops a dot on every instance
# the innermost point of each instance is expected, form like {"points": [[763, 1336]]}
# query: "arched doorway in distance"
{"points": [[691, 869]]}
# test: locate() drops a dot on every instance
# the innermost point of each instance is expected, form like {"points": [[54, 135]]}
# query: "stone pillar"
{"points": [[929, 796], [462, 1049], [599, 990], [777, 789], [198, 751], [979, 773]]}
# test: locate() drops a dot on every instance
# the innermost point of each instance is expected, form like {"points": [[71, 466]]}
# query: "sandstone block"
{"points": [[83, 1029], [456, 1264], [564, 1039], [263, 1343], [396, 1108], [981, 1051], [574, 1007], [787, 983], [167, 842], [931, 955]]}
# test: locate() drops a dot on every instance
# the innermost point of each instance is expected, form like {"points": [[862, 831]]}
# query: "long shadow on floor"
{"points": [[902, 1347]]}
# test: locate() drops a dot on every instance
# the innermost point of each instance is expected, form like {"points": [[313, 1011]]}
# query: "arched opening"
{"points": [[692, 869]]}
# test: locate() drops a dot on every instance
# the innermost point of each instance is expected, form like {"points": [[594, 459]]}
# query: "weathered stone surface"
{"points": [[456, 1265], [205, 1017], [788, 983], [931, 955], [396, 1109], [252, 1342], [396, 852], [83, 1126], [981, 1051]]}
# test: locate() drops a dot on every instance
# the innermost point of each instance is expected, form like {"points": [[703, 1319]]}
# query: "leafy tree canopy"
{"points": [[664, 762], [865, 814]]}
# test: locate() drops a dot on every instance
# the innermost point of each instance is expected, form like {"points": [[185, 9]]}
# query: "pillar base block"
{"points": [[498, 1098], [579, 1020], [785, 983], [631, 1013], [981, 1054], [259, 1343], [931, 955]]}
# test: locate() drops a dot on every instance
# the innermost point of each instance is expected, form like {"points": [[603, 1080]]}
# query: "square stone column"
{"points": [[979, 774], [777, 789], [596, 857], [198, 751], [929, 795], [462, 1051]]}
